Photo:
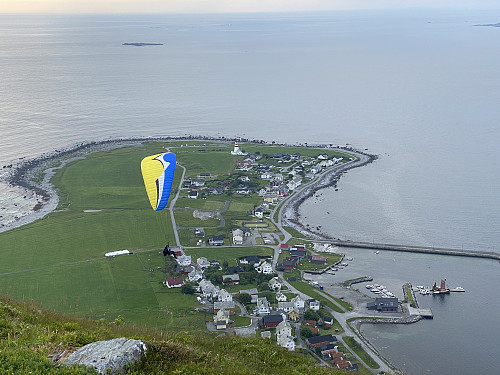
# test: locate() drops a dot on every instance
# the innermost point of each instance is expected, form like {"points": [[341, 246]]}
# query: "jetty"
{"points": [[415, 249], [426, 313]]}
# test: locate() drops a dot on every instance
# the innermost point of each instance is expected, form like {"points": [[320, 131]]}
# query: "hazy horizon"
{"points": [[228, 6]]}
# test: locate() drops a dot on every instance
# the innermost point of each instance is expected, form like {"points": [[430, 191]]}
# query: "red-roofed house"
{"points": [[284, 246], [342, 364], [312, 323], [174, 282]]}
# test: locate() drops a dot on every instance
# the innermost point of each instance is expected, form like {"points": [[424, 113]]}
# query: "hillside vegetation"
{"points": [[30, 337]]}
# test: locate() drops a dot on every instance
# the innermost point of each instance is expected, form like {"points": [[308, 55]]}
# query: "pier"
{"points": [[416, 249], [426, 313]]}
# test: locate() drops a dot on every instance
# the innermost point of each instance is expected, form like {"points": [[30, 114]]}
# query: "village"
{"points": [[256, 286]]}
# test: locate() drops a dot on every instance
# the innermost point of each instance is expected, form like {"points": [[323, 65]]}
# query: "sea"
{"points": [[420, 89]]}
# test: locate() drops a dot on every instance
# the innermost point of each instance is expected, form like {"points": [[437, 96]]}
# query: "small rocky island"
{"points": [[491, 24], [142, 44]]}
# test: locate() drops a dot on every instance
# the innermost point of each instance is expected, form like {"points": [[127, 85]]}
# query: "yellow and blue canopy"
{"points": [[158, 174]]}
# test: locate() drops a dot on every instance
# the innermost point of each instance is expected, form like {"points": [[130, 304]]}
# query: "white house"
{"points": [[237, 237], [283, 328], [208, 290], [280, 297], [316, 168], [286, 306], [259, 212], [263, 306], [298, 302], [294, 183], [274, 284], [313, 304], [284, 335], [184, 260], [278, 177], [202, 263], [195, 275], [266, 176], [264, 268], [224, 296]]}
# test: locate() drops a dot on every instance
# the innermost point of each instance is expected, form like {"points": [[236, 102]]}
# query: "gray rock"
{"points": [[108, 356]]}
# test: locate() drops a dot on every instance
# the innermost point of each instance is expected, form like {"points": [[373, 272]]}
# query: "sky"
{"points": [[226, 6]]}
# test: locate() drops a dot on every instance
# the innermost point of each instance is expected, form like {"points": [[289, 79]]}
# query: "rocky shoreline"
{"points": [[330, 178]]}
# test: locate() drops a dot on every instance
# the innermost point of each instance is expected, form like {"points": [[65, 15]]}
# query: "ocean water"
{"points": [[421, 90]]}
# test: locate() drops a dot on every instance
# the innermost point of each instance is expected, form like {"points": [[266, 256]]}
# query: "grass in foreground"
{"points": [[29, 336]]}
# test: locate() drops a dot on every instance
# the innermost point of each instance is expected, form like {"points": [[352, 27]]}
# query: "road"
{"points": [[172, 205]]}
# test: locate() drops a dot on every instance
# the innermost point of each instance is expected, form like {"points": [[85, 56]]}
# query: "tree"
{"points": [[244, 298], [305, 332], [264, 286], [225, 264], [269, 295], [187, 289], [311, 315]]}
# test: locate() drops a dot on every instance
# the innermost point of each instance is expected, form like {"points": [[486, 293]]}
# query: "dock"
{"points": [[415, 249], [426, 313]]}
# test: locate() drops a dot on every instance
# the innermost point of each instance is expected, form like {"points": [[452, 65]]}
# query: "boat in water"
{"points": [[441, 289]]}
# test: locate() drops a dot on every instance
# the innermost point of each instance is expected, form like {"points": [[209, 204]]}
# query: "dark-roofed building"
{"points": [[270, 321], [384, 304], [321, 340], [216, 241], [298, 253], [236, 269], [249, 259], [228, 305], [233, 279], [289, 263]]}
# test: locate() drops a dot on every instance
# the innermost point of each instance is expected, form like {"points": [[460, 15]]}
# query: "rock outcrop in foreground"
{"points": [[109, 356]]}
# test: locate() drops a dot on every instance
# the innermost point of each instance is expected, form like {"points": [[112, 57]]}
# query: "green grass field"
{"points": [[185, 218], [59, 261]]}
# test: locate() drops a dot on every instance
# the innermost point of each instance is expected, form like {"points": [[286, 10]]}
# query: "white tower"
{"points": [[237, 150]]}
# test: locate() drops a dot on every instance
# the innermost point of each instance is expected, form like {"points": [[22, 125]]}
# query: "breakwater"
{"points": [[415, 249]]}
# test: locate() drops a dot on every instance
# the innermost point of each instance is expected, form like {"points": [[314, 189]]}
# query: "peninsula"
{"points": [[228, 257]]}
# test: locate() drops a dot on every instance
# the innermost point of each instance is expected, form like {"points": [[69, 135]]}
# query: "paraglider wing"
{"points": [[158, 174]]}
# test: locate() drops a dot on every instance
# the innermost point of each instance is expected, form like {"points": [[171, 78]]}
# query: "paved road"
{"points": [[172, 205]]}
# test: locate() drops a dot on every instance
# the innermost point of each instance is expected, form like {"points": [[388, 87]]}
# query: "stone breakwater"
{"points": [[327, 179]]}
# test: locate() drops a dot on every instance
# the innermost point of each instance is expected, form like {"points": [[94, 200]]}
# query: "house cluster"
{"points": [[325, 344], [239, 235], [296, 254], [281, 179], [280, 317]]}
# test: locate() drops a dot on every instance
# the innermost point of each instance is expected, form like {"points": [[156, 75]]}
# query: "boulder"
{"points": [[109, 356]]}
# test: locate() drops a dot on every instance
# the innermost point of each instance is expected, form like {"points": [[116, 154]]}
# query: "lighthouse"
{"points": [[236, 150]]}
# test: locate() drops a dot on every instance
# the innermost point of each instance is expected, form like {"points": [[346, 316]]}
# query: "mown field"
{"points": [[59, 261]]}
